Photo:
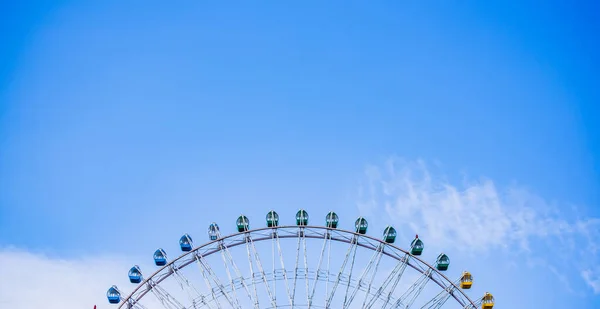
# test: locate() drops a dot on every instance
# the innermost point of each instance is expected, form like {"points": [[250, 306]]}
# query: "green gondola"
{"points": [[416, 247], [389, 235], [361, 225], [331, 220], [302, 217], [243, 224], [442, 262], [272, 219]]}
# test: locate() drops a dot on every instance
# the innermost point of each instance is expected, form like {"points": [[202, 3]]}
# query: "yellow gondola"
{"points": [[487, 302], [466, 281]]}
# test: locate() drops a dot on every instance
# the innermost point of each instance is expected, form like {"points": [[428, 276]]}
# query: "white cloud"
{"points": [[38, 281], [592, 278], [476, 217]]}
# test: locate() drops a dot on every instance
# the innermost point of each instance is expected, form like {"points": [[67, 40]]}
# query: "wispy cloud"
{"points": [[478, 217], [39, 281], [592, 278]]}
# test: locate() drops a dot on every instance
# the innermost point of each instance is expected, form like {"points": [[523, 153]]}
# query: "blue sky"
{"points": [[123, 125]]}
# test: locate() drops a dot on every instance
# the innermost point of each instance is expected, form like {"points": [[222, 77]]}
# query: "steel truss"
{"points": [[301, 274]]}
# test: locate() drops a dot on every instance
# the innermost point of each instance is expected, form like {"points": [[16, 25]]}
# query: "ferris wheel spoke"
{"points": [[372, 278], [186, 285], [351, 248], [328, 267], [166, 299], [306, 280], [259, 265], [285, 278], [301, 233], [231, 280], [251, 265], [350, 274], [375, 258], [393, 278], [132, 304], [274, 277], [318, 270], [441, 298], [208, 274], [411, 294], [471, 306], [239, 275]]}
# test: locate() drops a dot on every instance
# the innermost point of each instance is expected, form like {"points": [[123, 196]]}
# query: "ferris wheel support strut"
{"points": [[394, 277], [259, 265], [227, 256], [318, 271], [351, 248], [350, 273], [440, 299], [411, 294], [296, 267], [231, 281], [251, 270], [207, 274], [372, 277], [186, 285], [168, 301], [287, 285], [132, 304], [375, 258], [306, 269]]}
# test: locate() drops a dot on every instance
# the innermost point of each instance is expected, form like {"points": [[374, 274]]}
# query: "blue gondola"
{"points": [[160, 257], [135, 274], [213, 231], [185, 242], [113, 295]]}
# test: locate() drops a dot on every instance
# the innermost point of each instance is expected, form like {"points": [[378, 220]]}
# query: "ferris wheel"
{"points": [[297, 266]]}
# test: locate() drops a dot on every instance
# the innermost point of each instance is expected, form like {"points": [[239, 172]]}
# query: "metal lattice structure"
{"points": [[349, 269]]}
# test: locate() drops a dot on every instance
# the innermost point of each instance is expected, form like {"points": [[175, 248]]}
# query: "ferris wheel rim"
{"points": [[169, 264]]}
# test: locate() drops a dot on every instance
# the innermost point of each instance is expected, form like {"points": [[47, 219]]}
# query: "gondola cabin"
{"points": [[389, 235], [361, 225], [113, 295], [135, 274], [272, 219], [416, 246], [185, 242], [160, 257], [302, 217], [243, 224], [442, 262], [331, 220], [466, 280], [213, 231], [487, 302]]}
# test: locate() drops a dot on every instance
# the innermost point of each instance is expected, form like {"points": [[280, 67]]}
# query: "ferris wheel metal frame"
{"points": [[221, 244]]}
